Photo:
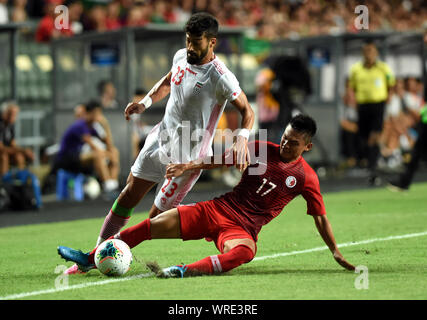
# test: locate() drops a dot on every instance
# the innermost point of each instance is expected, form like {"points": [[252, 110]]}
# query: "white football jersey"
{"points": [[197, 100]]}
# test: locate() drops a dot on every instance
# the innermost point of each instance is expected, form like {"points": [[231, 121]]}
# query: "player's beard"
{"points": [[197, 59]]}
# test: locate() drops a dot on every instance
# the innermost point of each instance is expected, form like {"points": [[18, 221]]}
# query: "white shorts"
{"points": [[148, 166]]}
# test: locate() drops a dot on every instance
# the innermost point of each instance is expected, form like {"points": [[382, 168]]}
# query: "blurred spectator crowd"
{"points": [[271, 19], [399, 133]]}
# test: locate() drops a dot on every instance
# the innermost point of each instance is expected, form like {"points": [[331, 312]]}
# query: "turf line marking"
{"points": [[76, 286], [342, 245], [145, 275]]}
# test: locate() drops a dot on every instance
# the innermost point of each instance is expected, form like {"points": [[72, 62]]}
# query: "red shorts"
{"points": [[208, 220]]}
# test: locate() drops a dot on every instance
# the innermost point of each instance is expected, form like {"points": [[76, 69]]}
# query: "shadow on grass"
{"points": [[272, 271], [384, 269]]}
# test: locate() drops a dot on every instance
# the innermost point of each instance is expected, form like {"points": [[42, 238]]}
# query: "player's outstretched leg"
{"points": [[86, 261], [164, 226], [237, 256], [120, 212], [131, 236]]}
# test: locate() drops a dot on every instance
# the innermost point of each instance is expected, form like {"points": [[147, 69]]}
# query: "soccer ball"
{"points": [[113, 257]]}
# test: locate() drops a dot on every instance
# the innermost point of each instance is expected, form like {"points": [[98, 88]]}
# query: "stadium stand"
{"points": [[269, 27]]}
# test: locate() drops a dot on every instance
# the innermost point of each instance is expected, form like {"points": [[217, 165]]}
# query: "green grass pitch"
{"points": [[397, 267]]}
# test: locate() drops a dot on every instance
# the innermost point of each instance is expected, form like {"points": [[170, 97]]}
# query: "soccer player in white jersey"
{"points": [[199, 85]]}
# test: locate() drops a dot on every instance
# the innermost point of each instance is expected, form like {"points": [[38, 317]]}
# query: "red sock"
{"points": [[132, 236], [223, 262]]}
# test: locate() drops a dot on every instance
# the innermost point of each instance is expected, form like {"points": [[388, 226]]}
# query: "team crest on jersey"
{"points": [[291, 181], [198, 86]]}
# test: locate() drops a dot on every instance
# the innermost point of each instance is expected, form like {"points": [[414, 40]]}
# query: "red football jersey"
{"points": [[258, 198]]}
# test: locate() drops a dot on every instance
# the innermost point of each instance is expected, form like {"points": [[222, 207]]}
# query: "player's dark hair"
{"points": [[304, 124], [202, 23], [92, 105]]}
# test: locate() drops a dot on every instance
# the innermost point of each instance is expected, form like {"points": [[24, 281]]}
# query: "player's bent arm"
{"points": [[325, 229], [160, 90], [210, 162], [248, 118], [245, 109]]}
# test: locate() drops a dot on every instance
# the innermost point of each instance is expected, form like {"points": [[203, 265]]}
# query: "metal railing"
{"points": [[31, 138]]}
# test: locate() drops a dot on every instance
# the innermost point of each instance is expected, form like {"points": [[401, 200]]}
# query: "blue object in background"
{"points": [[318, 56], [22, 177], [63, 178], [105, 54]]}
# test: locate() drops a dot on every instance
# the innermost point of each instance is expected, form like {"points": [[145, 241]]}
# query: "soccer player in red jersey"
{"points": [[277, 174]]}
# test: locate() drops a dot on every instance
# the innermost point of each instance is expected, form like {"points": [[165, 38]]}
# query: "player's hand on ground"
{"points": [[342, 262], [133, 107], [241, 153], [174, 170]]}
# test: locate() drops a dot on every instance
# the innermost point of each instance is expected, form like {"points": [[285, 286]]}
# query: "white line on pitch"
{"points": [[145, 275], [342, 245], [76, 286]]}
